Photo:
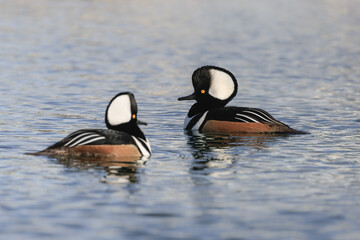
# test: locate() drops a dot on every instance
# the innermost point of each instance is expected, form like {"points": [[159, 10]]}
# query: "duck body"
{"points": [[99, 142], [214, 87], [123, 138], [236, 120]]}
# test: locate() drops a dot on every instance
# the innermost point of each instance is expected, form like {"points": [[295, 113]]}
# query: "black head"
{"points": [[121, 113], [213, 86]]}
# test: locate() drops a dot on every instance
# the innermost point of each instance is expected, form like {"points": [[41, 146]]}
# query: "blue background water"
{"points": [[62, 61]]}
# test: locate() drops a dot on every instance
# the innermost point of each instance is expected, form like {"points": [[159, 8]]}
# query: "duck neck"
{"points": [[130, 128], [203, 107]]}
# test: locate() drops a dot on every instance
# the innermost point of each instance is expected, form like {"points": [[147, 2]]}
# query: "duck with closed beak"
{"points": [[123, 138], [214, 87]]}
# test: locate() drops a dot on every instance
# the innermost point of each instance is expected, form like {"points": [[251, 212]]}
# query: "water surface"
{"points": [[62, 61]]}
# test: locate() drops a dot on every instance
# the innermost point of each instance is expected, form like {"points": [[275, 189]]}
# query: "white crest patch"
{"points": [[221, 85], [119, 110]]}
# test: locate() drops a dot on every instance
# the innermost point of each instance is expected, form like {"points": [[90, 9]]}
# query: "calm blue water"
{"points": [[62, 61]]}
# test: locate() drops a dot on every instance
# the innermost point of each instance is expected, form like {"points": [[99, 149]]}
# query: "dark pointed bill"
{"points": [[190, 97], [141, 122]]}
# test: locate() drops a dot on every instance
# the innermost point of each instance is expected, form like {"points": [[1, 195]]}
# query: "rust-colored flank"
{"points": [[239, 127], [125, 150]]}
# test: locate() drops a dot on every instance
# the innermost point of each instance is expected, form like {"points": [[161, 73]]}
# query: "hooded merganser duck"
{"points": [[123, 138], [214, 87]]}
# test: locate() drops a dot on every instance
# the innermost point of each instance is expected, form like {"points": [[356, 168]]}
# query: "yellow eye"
{"points": [[202, 91], [133, 116]]}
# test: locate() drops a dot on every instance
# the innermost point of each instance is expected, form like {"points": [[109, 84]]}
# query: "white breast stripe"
{"points": [[75, 138], [91, 140], [267, 119], [242, 115], [146, 143], [201, 120], [82, 139], [142, 149], [186, 122]]}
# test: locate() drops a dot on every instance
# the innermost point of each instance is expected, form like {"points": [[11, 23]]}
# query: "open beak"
{"points": [[141, 122], [190, 97]]}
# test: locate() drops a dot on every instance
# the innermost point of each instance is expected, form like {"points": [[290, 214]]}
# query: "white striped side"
{"points": [[90, 141], [246, 117], [75, 138], [84, 138], [263, 116], [242, 119]]}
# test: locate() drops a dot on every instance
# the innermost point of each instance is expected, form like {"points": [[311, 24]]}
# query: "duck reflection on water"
{"points": [[118, 169], [210, 149], [207, 142]]}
